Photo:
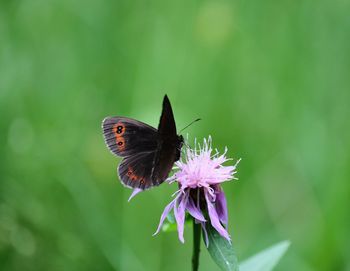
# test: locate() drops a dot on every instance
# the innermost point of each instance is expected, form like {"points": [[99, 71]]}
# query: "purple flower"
{"points": [[199, 178]]}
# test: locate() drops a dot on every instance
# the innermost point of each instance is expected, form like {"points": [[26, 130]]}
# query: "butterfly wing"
{"points": [[136, 171], [167, 126], [125, 136], [169, 144], [137, 143]]}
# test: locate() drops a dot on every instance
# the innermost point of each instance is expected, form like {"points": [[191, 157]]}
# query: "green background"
{"points": [[270, 79]]}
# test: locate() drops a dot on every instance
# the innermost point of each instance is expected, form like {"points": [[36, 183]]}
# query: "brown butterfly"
{"points": [[148, 154]]}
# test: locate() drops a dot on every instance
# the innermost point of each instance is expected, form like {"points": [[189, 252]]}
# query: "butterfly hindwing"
{"points": [[125, 136], [136, 171]]}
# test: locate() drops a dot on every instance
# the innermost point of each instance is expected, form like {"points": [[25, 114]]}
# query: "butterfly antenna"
{"points": [[189, 125]]}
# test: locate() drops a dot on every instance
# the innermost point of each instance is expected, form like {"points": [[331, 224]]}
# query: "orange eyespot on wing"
{"points": [[133, 177], [120, 143], [118, 129]]}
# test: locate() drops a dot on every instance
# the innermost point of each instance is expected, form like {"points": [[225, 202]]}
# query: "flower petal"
{"points": [[206, 239], [214, 218], [179, 212], [134, 193], [221, 207], [194, 211], [166, 211]]}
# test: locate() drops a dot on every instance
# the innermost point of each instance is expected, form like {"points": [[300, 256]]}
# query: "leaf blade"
{"points": [[221, 251], [267, 259]]}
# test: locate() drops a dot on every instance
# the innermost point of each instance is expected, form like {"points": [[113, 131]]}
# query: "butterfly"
{"points": [[148, 154]]}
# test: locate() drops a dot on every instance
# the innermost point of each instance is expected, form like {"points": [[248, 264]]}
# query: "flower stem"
{"points": [[196, 245]]}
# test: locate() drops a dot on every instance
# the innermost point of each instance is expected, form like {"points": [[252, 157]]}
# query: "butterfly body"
{"points": [[148, 154]]}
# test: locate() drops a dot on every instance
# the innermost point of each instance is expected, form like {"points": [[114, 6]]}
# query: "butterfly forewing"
{"points": [[167, 126], [125, 136], [169, 144]]}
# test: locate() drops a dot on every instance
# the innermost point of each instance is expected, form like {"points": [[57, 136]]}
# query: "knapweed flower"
{"points": [[199, 176]]}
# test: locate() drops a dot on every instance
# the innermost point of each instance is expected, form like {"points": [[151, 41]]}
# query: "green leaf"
{"points": [[221, 250], [267, 259]]}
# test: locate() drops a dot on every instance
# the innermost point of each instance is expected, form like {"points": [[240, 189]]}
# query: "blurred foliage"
{"points": [[265, 260], [270, 79]]}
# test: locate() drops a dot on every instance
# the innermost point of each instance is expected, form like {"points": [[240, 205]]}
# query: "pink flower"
{"points": [[199, 178]]}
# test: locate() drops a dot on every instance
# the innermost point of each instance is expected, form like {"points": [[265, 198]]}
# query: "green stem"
{"points": [[196, 245]]}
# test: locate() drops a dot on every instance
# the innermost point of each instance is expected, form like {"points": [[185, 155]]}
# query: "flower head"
{"points": [[199, 177]]}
